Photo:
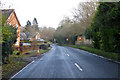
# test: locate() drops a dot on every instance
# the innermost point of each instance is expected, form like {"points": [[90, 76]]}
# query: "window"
{"points": [[17, 27], [9, 24]]}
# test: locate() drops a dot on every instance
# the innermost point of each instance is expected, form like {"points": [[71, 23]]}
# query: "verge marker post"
{"points": [[38, 52]]}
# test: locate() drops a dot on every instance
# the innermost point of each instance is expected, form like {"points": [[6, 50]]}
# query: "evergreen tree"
{"points": [[106, 27], [28, 23], [35, 21], [35, 24]]}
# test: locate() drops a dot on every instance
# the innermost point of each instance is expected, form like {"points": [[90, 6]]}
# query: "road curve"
{"points": [[67, 62]]}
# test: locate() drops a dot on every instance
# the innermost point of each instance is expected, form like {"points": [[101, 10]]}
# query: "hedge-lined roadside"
{"points": [[109, 55], [17, 62]]}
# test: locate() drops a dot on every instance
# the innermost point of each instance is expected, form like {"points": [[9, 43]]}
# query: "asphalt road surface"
{"points": [[67, 62]]}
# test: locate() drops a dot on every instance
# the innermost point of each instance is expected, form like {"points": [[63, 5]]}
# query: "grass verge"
{"points": [[14, 65], [110, 55]]}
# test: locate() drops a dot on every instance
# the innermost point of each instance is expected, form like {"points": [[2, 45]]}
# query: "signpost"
{"points": [[79, 39]]}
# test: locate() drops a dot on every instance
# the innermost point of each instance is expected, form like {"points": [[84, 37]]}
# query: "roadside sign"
{"points": [[79, 38]]}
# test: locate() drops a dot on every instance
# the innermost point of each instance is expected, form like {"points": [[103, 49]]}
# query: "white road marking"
{"points": [[33, 61], [21, 70], [78, 67], [67, 54], [101, 56]]}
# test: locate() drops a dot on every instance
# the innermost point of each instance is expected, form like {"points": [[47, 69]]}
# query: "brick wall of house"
{"points": [[12, 20]]}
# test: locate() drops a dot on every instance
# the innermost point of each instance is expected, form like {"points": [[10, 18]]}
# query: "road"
{"points": [[67, 62]]}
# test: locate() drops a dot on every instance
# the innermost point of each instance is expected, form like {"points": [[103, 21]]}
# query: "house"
{"points": [[35, 37], [11, 19], [23, 36]]}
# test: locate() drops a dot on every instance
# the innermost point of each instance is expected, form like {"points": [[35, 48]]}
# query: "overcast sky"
{"points": [[48, 12]]}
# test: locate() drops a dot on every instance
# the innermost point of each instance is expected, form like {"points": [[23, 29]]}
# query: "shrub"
{"points": [[16, 52], [43, 46], [9, 35], [26, 41]]}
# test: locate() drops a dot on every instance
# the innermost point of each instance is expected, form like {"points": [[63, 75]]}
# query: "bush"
{"points": [[45, 42], [9, 35], [26, 41], [88, 33], [16, 52], [43, 46]]}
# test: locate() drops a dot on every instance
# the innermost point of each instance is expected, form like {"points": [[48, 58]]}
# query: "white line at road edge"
{"points": [[67, 54], [78, 67], [21, 70]]}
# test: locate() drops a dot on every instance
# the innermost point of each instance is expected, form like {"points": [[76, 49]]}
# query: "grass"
{"points": [[15, 52], [110, 55], [34, 53], [39, 43], [15, 65]]}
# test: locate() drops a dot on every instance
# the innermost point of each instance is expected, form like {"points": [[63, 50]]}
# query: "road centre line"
{"points": [[67, 54], [78, 67]]}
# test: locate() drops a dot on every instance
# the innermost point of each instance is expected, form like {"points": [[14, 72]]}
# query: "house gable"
{"points": [[12, 20]]}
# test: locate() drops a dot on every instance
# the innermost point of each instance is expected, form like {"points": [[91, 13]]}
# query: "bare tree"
{"points": [[84, 11], [82, 18], [46, 33]]}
